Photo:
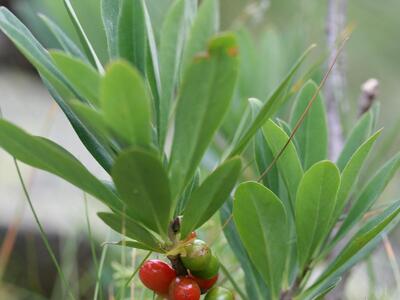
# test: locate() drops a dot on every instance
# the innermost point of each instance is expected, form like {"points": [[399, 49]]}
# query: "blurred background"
{"points": [[280, 30]]}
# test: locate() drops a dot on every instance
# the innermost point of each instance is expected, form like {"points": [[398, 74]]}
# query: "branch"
{"points": [[336, 85]]}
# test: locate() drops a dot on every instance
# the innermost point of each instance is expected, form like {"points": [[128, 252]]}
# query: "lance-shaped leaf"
{"points": [[255, 285], [368, 196], [55, 82], [125, 103], [94, 146], [65, 42], [83, 78], [315, 204], [23, 39], [110, 10], [93, 119], [288, 164], [132, 34], [205, 25], [137, 245], [46, 155], [360, 132], [173, 36], [87, 46], [263, 153], [209, 197], [142, 183], [204, 99], [153, 66], [312, 135], [351, 172], [131, 229], [270, 107], [361, 239], [262, 224]]}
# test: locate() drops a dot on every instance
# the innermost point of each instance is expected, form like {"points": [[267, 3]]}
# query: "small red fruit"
{"points": [[157, 276], [205, 284], [191, 236], [184, 288]]}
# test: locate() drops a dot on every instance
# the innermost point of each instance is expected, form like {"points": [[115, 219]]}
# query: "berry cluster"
{"points": [[199, 276]]}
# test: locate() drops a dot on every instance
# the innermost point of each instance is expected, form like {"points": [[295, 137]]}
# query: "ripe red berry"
{"points": [[205, 284], [184, 288], [157, 276]]}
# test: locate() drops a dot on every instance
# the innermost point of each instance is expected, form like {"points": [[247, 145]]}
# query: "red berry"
{"points": [[157, 276], [191, 236], [205, 284], [184, 288]]}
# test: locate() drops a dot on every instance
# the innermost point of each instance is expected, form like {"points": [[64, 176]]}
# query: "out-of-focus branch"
{"points": [[335, 88], [336, 85]]}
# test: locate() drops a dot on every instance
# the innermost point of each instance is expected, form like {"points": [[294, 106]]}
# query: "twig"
{"points": [[393, 261], [309, 105]]}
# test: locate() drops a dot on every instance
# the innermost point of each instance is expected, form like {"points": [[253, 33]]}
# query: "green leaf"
{"points": [[46, 155], [28, 45], [143, 185], [357, 136], [369, 195], [366, 234], [351, 173], [318, 292], [125, 103], [187, 193], [132, 34], [312, 135], [94, 146], [92, 119], [270, 107], [205, 25], [131, 229], [153, 67], [263, 153], [288, 164], [255, 285], [55, 82], [204, 99], [87, 46], [262, 224], [173, 36], [110, 10], [83, 78], [210, 196], [65, 42], [137, 245], [315, 204]]}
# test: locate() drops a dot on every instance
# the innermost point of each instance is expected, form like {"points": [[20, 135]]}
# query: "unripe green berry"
{"points": [[198, 256], [219, 293], [210, 271]]}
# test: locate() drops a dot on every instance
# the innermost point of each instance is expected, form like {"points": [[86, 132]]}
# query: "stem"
{"points": [[232, 281], [43, 234], [177, 264], [100, 270]]}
